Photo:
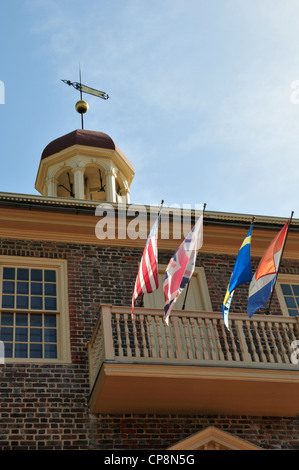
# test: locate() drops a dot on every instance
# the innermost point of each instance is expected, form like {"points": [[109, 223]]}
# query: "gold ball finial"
{"points": [[81, 107]]}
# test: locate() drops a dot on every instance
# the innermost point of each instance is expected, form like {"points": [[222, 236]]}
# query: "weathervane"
{"points": [[81, 105]]}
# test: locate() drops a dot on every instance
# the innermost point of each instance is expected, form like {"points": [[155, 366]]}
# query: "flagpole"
{"points": [[134, 298], [284, 244], [183, 307], [184, 304]]}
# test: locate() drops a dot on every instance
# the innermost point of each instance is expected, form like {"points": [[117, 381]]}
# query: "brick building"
{"points": [[79, 374]]}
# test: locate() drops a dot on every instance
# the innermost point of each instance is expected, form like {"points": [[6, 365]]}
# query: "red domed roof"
{"points": [[79, 137]]}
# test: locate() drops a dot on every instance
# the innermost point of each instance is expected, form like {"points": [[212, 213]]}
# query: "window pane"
{"points": [[8, 301], [36, 351], [21, 350], [8, 287], [7, 319], [23, 274], [36, 288], [50, 303], [290, 302], [293, 313], [22, 301], [6, 334], [8, 273], [36, 335], [50, 335], [8, 349], [21, 319], [36, 303], [50, 289], [50, 276], [22, 288], [22, 334], [286, 289], [50, 321], [36, 275], [50, 351], [295, 288], [36, 319]]}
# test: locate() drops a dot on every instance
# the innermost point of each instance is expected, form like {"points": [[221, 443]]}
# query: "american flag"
{"points": [[147, 276], [181, 267]]}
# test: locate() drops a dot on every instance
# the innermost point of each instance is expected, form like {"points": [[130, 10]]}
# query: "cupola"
{"points": [[85, 165]]}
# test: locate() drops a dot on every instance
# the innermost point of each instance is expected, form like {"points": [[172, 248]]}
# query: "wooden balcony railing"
{"points": [[192, 338]]}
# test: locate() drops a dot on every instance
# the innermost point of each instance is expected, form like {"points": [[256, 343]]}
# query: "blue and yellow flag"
{"points": [[241, 273]]}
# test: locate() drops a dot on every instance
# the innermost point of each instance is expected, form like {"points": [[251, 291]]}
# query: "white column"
{"points": [[78, 173], [125, 194], [110, 186], [51, 184]]}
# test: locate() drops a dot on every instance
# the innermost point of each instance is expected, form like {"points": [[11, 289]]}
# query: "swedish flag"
{"points": [[241, 273]]}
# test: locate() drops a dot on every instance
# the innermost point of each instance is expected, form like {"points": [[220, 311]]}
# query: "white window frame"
{"points": [[285, 279], [62, 312]]}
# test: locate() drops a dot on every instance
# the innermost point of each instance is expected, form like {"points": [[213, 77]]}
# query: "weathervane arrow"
{"points": [[87, 89], [82, 106]]}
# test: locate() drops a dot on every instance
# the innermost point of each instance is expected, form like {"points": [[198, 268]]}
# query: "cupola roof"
{"points": [[79, 137]]}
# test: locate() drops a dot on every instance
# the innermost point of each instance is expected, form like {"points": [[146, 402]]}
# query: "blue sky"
{"points": [[200, 95]]}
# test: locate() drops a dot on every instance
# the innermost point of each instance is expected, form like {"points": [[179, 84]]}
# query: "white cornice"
{"points": [[213, 216]]}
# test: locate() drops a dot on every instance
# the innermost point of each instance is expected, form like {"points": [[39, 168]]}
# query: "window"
{"points": [[288, 293], [197, 298], [33, 309]]}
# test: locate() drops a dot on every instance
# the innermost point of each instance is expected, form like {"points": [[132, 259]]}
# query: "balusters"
{"points": [[284, 356], [188, 344], [127, 336], [202, 338], [178, 346], [241, 329], [218, 342], [211, 344], [168, 343], [192, 338], [118, 333], [158, 330], [275, 351], [251, 342], [96, 352], [135, 338], [266, 342], [287, 342], [235, 355], [227, 353], [258, 342], [151, 335], [143, 336], [293, 334]]}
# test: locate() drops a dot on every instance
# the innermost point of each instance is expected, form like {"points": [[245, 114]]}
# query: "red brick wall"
{"points": [[161, 431], [45, 406]]}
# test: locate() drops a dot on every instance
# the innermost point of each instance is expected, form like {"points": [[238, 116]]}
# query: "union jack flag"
{"points": [[181, 267], [147, 276]]}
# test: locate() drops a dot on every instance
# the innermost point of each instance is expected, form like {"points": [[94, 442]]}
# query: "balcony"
{"points": [[194, 365]]}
